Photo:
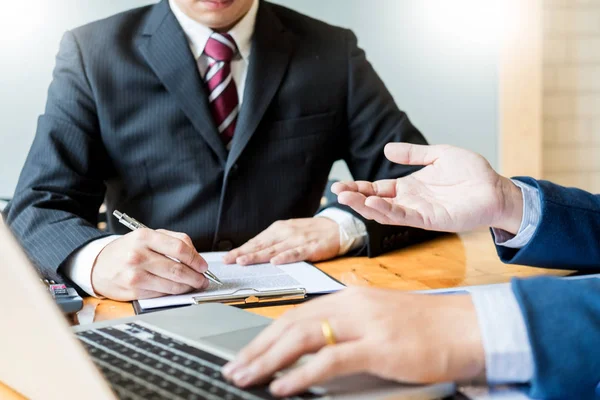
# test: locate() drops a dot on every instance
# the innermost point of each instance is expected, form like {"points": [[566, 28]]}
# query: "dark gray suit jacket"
{"points": [[127, 122]]}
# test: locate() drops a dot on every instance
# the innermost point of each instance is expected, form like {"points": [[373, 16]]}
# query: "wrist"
{"points": [[352, 232], [328, 223], [94, 279], [467, 353], [80, 265], [95, 275], [511, 214]]}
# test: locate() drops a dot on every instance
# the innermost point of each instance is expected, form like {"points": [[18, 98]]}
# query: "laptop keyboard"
{"points": [[142, 364]]}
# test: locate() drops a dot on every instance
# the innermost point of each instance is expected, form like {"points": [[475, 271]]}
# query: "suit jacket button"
{"points": [[225, 245]]}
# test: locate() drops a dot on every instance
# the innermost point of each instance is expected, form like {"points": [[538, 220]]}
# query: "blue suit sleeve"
{"points": [[563, 322], [568, 234]]}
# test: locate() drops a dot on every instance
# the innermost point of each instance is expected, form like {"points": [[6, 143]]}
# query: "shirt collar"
{"points": [[198, 34]]}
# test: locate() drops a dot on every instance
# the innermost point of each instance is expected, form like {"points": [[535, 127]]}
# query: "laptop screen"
{"points": [[38, 349]]}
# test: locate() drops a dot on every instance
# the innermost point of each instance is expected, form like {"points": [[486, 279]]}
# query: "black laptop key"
{"points": [[140, 363]]}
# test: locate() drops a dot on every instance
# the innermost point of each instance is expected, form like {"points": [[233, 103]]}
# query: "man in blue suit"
{"points": [[541, 332]]}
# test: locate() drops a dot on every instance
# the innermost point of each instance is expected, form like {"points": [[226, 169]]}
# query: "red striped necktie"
{"points": [[222, 92]]}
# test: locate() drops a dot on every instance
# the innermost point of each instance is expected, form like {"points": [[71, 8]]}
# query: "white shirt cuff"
{"points": [[79, 266], [532, 211], [508, 354], [353, 232]]}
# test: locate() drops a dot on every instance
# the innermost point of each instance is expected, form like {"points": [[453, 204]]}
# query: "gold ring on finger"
{"points": [[328, 332]]}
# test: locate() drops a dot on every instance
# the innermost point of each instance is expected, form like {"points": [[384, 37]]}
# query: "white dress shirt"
{"points": [[353, 231]]}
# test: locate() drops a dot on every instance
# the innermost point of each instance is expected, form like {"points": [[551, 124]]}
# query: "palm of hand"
{"points": [[456, 193]]}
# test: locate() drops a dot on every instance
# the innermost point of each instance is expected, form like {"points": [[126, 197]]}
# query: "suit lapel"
{"points": [[166, 51], [271, 53]]}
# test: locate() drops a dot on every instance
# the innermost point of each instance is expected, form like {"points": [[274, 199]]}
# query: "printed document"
{"points": [[249, 279]]}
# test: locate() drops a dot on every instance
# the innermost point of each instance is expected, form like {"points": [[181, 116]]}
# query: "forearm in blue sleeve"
{"points": [[563, 324], [568, 233]]}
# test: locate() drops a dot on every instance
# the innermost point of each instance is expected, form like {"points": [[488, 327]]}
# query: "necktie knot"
{"points": [[220, 47]]}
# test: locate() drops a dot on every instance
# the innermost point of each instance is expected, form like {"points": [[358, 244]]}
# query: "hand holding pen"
{"points": [[143, 264], [134, 224]]}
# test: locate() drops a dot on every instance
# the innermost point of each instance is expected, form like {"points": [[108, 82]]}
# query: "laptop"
{"points": [[175, 354]]}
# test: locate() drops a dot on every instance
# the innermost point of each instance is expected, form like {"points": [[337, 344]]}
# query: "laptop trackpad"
{"points": [[233, 342]]}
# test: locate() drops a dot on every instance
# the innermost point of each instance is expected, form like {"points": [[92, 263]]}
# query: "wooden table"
{"points": [[449, 261]]}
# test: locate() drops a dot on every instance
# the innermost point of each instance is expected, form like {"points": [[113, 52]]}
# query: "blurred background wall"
{"points": [[464, 71], [571, 96], [439, 58], [30, 32]]}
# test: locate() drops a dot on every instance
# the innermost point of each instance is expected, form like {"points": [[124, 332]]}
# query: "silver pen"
{"points": [[134, 224]]}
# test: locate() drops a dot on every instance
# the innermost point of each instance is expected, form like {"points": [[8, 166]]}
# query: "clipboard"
{"points": [[247, 296], [246, 300]]}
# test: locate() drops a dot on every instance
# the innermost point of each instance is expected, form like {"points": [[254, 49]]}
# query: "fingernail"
{"points": [[242, 377], [229, 368], [278, 388], [246, 375], [242, 260]]}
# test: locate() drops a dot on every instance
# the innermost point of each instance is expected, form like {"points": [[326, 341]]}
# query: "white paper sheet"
{"points": [[237, 278]]}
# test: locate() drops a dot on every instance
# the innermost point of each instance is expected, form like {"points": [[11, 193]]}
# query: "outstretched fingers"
{"points": [[383, 188], [394, 213]]}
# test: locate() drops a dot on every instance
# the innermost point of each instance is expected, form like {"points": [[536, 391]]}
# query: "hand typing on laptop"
{"points": [[136, 266], [398, 336]]}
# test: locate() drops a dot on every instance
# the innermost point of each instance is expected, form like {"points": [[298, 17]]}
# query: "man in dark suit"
{"points": [[540, 332], [217, 118]]}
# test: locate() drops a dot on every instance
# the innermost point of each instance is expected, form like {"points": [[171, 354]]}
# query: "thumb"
{"points": [[412, 154]]}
